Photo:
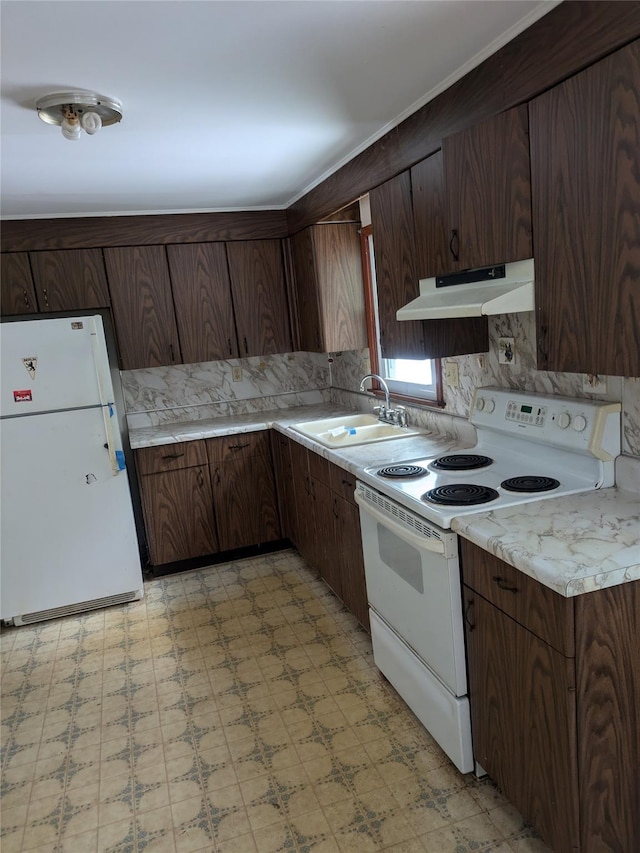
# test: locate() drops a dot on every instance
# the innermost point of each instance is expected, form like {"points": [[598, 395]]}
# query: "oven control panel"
{"points": [[526, 413], [583, 425]]}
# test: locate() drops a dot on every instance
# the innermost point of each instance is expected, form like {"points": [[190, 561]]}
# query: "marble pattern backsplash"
{"points": [[189, 392], [348, 368]]}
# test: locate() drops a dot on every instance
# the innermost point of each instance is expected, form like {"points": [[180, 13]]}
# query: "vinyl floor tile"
{"points": [[236, 709]]}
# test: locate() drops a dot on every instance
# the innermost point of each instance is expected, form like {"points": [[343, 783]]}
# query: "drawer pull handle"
{"points": [[347, 483], [468, 612], [503, 584], [173, 456], [455, 252], [238, 446]]}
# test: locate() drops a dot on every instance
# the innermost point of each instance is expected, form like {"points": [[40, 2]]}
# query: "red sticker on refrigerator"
{"points": [[22, 396]]}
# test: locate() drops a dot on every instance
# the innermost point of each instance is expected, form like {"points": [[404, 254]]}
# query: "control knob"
{"points": [[564, 419], [489, 406], [480, 404], [579, 423]]}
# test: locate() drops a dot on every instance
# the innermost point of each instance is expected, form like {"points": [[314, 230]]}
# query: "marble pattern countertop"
{"points": [[574, 544]]}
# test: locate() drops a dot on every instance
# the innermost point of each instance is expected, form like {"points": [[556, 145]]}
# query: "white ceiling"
{"points": [[244, 104]]}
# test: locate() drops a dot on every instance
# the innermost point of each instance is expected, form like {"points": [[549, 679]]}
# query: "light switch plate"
{"points": [[506, 351], [236, 374], [451, 374]]}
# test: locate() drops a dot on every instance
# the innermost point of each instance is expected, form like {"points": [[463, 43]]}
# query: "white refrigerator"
{"points": [[68, 536]]}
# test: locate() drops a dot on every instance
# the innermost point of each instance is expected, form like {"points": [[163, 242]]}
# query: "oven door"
{"points": [[413, 586]]}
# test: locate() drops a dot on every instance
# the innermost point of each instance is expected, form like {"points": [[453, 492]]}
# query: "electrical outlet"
{"points": [[451, 374], [594, 384], [506, 351], [236, 374]]}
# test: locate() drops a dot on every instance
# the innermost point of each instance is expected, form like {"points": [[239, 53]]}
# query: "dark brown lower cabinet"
{"points": [[554, 685], [328, 526], [244, 493], [201, 497], [177, 502], [282, 467]]}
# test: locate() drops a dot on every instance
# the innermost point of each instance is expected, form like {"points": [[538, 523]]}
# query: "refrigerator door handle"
{"points": [[105, 391]]}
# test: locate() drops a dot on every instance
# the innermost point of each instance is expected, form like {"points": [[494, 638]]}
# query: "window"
{"points": [[410, 379]]}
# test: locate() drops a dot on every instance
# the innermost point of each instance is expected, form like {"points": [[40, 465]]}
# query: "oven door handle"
{"points": [[435, 545]]}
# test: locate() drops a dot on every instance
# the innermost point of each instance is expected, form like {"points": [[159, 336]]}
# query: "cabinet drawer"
{"points": [[542, 611], [239, 446], [170, 457], [343, 483]]}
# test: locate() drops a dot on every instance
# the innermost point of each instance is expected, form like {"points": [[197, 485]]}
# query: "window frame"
{"points": [[374, 343]]}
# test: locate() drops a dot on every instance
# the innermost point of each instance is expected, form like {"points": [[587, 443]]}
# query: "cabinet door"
{"points": [[18, 295], [70, 279], [349, 542], [488, 190], [142, 306], [338, 263], [396, 276], [202, 299], [325, 550], [303, 498], [244, 491], [306, 291], [433, 239], [585, 169], [178, 512], [283, 471], [259, 297], [523, 717]]}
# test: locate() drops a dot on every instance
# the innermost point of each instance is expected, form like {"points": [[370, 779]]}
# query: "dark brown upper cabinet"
{"points": [[487, 188], [396, 262], [70, 279], [202, 299], [433, 256], [62, 280], [17, 294], [329, 287], [259, 296], [585, 168], [142, 306]]}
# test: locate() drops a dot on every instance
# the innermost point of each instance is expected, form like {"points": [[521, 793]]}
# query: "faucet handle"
{"points": [[403, 418], [380, 411]]}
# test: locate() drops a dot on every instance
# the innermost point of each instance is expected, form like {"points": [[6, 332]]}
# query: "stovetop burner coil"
{"points": [[530, 483], [402, 471], [460, 494], [461, 462]]}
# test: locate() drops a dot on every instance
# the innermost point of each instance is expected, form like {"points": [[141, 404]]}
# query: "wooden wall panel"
{"points": [[563, 42], [113, 231]]}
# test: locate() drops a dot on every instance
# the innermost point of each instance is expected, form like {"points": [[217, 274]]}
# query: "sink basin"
{"points": [[349, 430]]}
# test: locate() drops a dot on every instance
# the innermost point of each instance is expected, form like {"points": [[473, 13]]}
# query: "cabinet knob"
{"points": [[26, 298], [45, 293], [173, 455], [246, 346], [229, 344], [238, 446], [172, 354]]}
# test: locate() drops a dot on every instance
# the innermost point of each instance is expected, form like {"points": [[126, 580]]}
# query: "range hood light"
{"points": [[501, 289]]}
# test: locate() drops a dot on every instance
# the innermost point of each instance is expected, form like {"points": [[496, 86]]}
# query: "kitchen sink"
{"points": [[349, 430]]}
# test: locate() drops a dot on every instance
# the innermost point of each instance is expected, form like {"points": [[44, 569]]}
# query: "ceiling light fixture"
{"points": [[76, 111]]}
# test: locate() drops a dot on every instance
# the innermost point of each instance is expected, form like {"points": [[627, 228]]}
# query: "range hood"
{"points": [[500, 289]]}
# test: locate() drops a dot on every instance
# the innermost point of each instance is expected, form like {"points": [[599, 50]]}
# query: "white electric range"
{"points": [[529, 447]]}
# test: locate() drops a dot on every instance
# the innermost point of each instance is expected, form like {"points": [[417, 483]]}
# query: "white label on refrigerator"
{"points": [[31, 364]]}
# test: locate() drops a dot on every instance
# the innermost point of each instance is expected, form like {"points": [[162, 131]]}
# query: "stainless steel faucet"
{"points": [[385, 413], [382, 382]]}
